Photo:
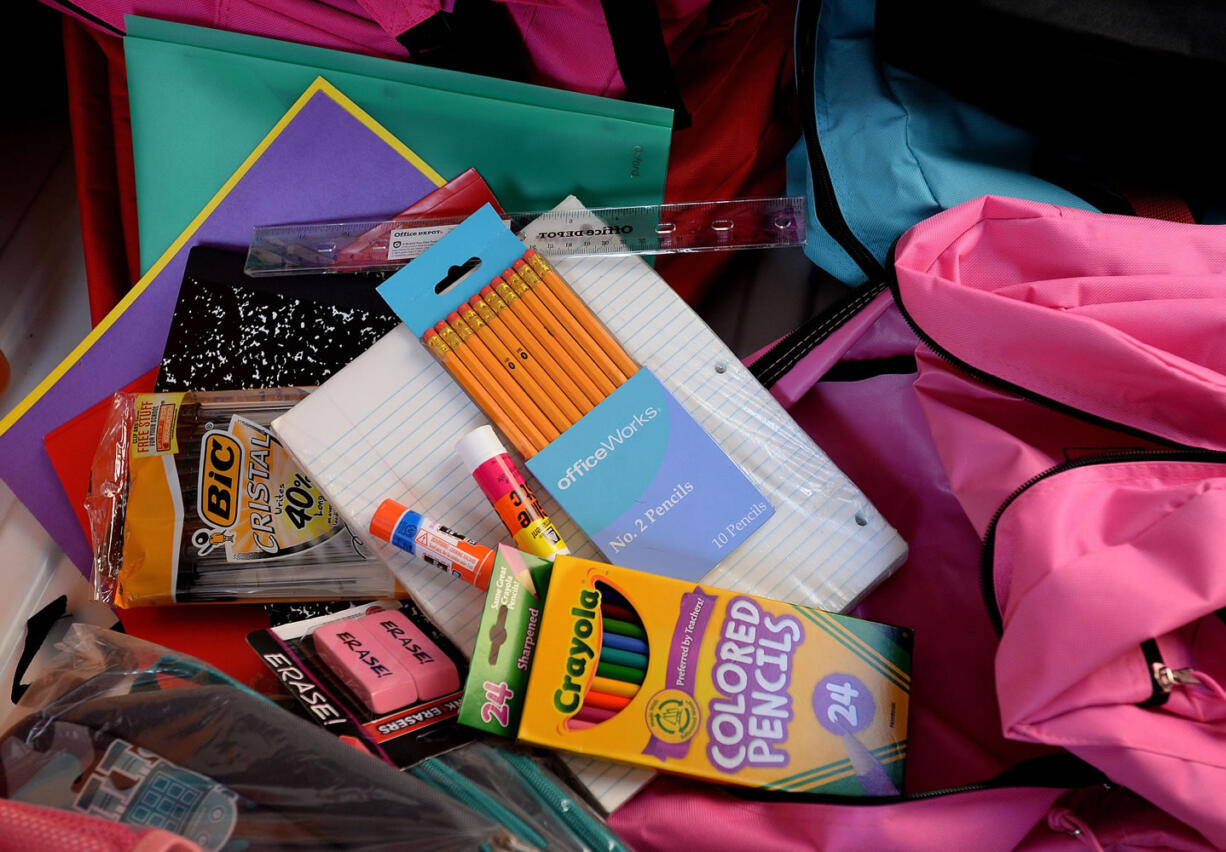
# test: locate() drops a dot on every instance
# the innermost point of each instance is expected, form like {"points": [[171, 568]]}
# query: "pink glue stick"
{"points": [[504, 486]]}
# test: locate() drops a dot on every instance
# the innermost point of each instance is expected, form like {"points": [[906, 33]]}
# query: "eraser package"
{"points": [[730, 687], [379, 674], [617, 451]]}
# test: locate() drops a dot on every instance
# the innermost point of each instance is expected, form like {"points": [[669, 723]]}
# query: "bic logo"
{"points": [[221, 459]]}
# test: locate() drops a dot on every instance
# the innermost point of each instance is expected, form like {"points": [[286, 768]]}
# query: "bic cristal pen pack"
{"points": [[616, 450]]}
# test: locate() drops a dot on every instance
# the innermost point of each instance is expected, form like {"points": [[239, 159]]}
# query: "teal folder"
{"points": [[201, 99]]}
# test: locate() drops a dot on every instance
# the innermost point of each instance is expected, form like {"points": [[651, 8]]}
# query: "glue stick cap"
{"points": [[479, 446], [387, 516]]}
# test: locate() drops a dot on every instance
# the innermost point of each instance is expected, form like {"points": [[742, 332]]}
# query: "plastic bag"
{"points": [[521, 795], [123, 729], [193, 499]]}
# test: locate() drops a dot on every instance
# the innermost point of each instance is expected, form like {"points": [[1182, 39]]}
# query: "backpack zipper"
{"points": [[997, 382], [987, 552], [825, 203], [1056, 770], [782, 356], [776, 361], [1164, 678]]}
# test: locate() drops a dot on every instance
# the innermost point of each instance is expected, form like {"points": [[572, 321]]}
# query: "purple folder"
{"points": [[326, 160]]}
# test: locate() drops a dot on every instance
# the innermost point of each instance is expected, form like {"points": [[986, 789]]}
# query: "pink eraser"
{"points": [[375, 675], [433, 671]]}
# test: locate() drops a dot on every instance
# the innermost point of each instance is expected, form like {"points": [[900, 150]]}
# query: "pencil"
{"points": [[541, 431], [549, 295], [618, 688], [569, 375], [532, 298], [625, 643], [613, 671], [595, 715], [619, 657], [475, 379], [625, 628], [581, 312], [537, 383], [605, 701]]}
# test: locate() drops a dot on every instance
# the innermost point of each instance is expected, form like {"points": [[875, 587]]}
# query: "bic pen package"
{"points": [[701, 681], [192, 499], [617, 451]]}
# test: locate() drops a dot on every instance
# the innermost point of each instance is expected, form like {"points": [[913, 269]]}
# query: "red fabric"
{"points": [[736, 80], [214, 633], [101, 142], [1157, 206], [337, 24], [71, 447]]}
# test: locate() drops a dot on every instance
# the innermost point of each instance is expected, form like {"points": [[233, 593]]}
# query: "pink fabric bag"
{"points": [[32, 828], [1073, 374], [1089, 564]]}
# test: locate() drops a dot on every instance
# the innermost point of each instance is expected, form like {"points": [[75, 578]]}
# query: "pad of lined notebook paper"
{"points": [[386, 426]]}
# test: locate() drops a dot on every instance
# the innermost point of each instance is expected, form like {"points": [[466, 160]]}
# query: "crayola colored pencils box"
{"points": [[683, 678]]}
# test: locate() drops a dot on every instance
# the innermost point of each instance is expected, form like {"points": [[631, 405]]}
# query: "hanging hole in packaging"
{"points": [[456, 274], [498, 633]]}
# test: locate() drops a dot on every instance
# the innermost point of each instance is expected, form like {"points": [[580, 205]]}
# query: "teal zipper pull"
{"points": [[433, 771]]}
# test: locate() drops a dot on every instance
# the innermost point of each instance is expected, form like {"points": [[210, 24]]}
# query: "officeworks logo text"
{"points": [[608, 446]]}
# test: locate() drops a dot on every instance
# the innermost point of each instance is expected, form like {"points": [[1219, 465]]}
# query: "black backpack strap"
{"points": [[642, 56], [476, 37], [1058, 770], [775, 363], [481, 37]]}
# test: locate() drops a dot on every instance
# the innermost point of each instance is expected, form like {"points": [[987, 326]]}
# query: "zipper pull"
{"points": [[1168, 678]]}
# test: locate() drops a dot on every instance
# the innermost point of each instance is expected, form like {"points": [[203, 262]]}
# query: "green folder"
{"points": [[202, 99]]}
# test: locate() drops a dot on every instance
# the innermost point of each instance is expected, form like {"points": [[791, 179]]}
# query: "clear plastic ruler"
{"points": [[750, 223]]}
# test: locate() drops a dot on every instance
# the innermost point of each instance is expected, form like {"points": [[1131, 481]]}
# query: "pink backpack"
{"points": [[1067, 408]]}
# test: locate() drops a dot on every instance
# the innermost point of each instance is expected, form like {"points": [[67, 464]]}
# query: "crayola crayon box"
{"points": [[685, 678]]}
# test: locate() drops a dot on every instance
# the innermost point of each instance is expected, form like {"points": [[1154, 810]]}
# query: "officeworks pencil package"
{"points": [[603, 435], [700, 681]]}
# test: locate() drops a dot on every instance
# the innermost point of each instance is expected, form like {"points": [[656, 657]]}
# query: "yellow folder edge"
{"points": [[319, 85]]}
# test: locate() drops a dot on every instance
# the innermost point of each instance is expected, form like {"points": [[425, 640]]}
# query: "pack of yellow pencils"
{"points": [[617, 451], [730, 687]]}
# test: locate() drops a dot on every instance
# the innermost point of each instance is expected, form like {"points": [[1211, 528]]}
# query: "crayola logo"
{"points": [[221, 461], [570, 695]]}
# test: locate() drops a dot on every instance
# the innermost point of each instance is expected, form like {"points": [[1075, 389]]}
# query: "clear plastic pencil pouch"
{"points": [[192, 499]]}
